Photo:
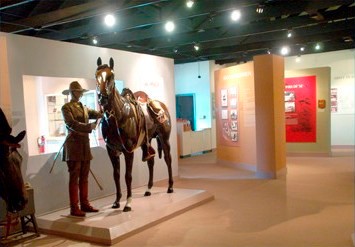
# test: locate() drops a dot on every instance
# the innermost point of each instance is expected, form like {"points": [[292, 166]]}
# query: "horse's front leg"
{"points": [[115, 161], [151, 176], [128, 177]]}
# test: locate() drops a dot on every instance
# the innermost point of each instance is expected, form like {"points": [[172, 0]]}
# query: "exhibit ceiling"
{"points": [[187, 31]]}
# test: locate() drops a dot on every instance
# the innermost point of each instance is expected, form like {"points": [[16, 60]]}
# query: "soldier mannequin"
{"points": [[76, 150]]}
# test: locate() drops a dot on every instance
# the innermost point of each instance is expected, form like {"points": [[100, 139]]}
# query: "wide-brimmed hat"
{"points": [[74, 86]]}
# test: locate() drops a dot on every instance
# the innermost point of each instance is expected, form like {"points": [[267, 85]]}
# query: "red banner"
{"points": [[300, 109]]}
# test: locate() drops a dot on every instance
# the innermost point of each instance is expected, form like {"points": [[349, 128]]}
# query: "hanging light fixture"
{"points": [[260, 9], [95, 41], [289, 33], [298, 59]]}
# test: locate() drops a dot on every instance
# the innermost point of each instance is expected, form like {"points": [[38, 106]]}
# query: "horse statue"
{"points": [[12, 187], [131, 121]]}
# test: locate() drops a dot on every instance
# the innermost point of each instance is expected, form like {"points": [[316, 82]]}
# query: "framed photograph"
{"points": [[224, 97], [224, 114]]}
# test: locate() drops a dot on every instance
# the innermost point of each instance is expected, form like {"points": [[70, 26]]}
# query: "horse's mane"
{"points": [[103, 66]]}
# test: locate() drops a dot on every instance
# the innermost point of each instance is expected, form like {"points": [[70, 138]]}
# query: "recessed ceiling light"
{"points": [[110, 20], [302, 48], [317, 47], [169, 26], [196, 47], [235, 15]]}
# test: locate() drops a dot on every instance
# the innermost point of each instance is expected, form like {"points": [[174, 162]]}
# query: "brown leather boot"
{"points": [[88, 208], [84, 202], [148, 153], [74, 201], [75, 211]]}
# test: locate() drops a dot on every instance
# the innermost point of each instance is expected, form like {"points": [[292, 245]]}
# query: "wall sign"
{"points": [[300, 109]]}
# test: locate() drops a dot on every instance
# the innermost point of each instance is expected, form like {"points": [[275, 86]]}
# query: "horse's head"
{"points": [[12, 188], [105, 81]]}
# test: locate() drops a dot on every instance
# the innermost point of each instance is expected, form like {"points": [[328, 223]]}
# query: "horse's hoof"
{"points": [[116, 205], [147, 193], [127, 209], [170, 190]]}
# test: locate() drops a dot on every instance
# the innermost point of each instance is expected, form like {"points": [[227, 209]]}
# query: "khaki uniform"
{"points": [[76, 117], [77, 154]]}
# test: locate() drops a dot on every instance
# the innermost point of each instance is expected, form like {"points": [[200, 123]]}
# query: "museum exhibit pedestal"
{"points": [[110, 226]]}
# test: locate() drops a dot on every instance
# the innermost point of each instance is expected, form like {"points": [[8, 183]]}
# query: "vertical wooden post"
{"points": [[270, 115]]}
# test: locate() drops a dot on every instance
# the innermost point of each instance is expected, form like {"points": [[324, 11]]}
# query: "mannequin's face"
{"points": [[76, 95]]}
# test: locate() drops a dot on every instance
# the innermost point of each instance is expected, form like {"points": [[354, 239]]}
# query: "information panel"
{"points": [[300, 109]]}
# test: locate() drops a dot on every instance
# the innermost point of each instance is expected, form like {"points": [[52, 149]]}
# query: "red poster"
{"points": [[300, 109]]}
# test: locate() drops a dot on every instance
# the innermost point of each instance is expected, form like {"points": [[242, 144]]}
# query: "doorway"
{"points": [[185, 108]]}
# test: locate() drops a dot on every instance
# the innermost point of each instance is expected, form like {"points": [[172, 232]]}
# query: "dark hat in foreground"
{"points": [[74, 86]]}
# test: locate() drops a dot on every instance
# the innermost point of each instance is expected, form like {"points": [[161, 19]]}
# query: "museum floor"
{"points": [[313, 205]]}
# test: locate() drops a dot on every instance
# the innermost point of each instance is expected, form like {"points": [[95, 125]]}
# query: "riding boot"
{"points": [[74, 201], [148, 152], [84, 202]]}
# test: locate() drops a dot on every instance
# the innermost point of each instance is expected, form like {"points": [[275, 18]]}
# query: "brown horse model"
{"points": [[129, 124], [12, 188]]}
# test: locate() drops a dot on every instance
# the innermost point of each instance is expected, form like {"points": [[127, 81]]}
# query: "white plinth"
{"points": [[110, 226]]}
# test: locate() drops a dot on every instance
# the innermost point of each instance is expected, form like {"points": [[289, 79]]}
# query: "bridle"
{"points": [[105, 83]]}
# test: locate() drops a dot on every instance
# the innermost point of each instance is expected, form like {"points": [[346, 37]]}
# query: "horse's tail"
{"points": [[160, 148]]}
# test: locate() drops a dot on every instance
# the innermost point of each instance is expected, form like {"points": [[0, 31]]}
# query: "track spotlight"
{"points": [[196, 47], [169, 26], [235, 15], [189, 3], [317, 47], [110, 20], [285, 50]]}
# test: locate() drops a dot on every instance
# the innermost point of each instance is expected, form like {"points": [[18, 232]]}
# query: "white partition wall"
{"points": [[28, 60]]}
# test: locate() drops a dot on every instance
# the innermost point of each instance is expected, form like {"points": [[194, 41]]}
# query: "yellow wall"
{"points": [[241, 76], [261, 115]]}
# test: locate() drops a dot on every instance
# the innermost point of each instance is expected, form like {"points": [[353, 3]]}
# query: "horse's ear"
{"points": [[5, 128], [99, 62], [20, 136], [111, 63]]}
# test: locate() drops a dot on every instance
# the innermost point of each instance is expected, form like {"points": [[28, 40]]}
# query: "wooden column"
{"points": [[270, 115], [5, 96]]}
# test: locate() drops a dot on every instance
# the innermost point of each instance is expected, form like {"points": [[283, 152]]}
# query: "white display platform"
{"points": [[110, 226]]}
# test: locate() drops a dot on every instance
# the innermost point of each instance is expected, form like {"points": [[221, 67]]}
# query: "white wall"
{"points": [[342, 77], [187, 81], [39, 57]]}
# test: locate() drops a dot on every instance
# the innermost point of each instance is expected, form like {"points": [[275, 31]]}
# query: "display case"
{"points": [[55, 122]]}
